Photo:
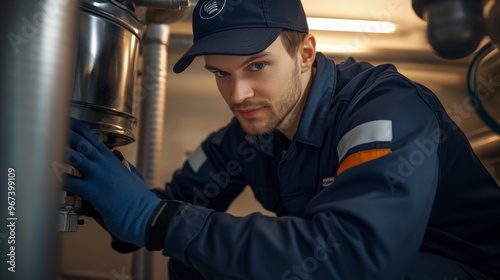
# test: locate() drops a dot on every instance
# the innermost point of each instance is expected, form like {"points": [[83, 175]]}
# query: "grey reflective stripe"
{"points": [[374, 131], [197, 158]]}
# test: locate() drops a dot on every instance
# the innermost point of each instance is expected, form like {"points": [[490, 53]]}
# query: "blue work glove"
{"points": [[118, 245], [88, 210], [121, 197]]}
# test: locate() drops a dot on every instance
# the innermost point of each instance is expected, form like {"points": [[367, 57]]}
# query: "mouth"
{"points": [[249, 113]]}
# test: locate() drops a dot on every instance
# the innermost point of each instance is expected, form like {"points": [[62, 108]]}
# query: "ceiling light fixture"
{"points": [[338, 48], [350, 25]]}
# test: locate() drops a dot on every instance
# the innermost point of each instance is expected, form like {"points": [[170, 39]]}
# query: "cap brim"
{"points": [[246, 41]]}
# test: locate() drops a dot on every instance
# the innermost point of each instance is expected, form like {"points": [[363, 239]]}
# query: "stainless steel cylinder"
{"points": [[109, 42]]}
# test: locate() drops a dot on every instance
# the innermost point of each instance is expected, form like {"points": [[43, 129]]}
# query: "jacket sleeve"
{"points": [[211, 177], [368, 224]]}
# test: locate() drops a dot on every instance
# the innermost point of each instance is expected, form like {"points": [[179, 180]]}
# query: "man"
{"points": [[368, 176]]}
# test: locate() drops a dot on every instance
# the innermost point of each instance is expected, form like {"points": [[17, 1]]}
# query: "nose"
{"points": [[240, 91]]}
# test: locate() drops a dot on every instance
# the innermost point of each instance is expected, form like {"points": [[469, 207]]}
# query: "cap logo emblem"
{"points": [[211, 8]]}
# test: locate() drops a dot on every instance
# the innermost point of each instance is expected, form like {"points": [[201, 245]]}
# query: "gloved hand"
{"points": [[118, 245], [120, 197], [88, 210], [127, 164]]}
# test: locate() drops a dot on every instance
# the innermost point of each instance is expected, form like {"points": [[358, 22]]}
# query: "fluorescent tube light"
{"points": [[350, 25], [338, 48]]}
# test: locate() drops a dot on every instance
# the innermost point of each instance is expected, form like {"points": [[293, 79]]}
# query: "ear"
{"points": [[307, 53]]}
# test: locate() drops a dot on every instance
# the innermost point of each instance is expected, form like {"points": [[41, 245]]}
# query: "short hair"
{"points": [[291, 40]]}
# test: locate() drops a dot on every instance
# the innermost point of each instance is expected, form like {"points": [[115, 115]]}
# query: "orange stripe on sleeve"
{"points": [[361, 157]]}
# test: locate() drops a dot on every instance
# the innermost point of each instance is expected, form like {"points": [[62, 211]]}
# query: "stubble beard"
{"points": [[282, 110]]}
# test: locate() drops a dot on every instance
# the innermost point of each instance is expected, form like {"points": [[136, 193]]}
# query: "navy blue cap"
{"points": [[240, 27]]}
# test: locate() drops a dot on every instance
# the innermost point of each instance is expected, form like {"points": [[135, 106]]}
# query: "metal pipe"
{"points": [[163, 4], [154, 86], [38, 53], [486, 144]]}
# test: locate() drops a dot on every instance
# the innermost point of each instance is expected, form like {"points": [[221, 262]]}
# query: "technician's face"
{"points": [[260, 89]]}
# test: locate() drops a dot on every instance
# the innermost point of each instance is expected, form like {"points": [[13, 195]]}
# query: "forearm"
{"points": [[221, 246]]}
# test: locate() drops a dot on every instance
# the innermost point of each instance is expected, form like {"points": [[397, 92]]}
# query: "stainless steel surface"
{"points": [[164, 16], [152, 14], [106, 70], [68, 219], [154, 86], [142, 265], [68, 204], [163, 4], [486, 145], [116, 12], [38, 53], [487, 82]]}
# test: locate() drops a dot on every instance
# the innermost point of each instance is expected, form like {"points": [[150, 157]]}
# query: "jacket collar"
{"points": [[311, 127]]}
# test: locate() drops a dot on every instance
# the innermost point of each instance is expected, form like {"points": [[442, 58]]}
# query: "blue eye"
{"points": [[258, 66]]}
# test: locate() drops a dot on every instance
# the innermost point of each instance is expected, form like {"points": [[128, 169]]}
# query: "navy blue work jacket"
{"points": [[376, 172]]}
